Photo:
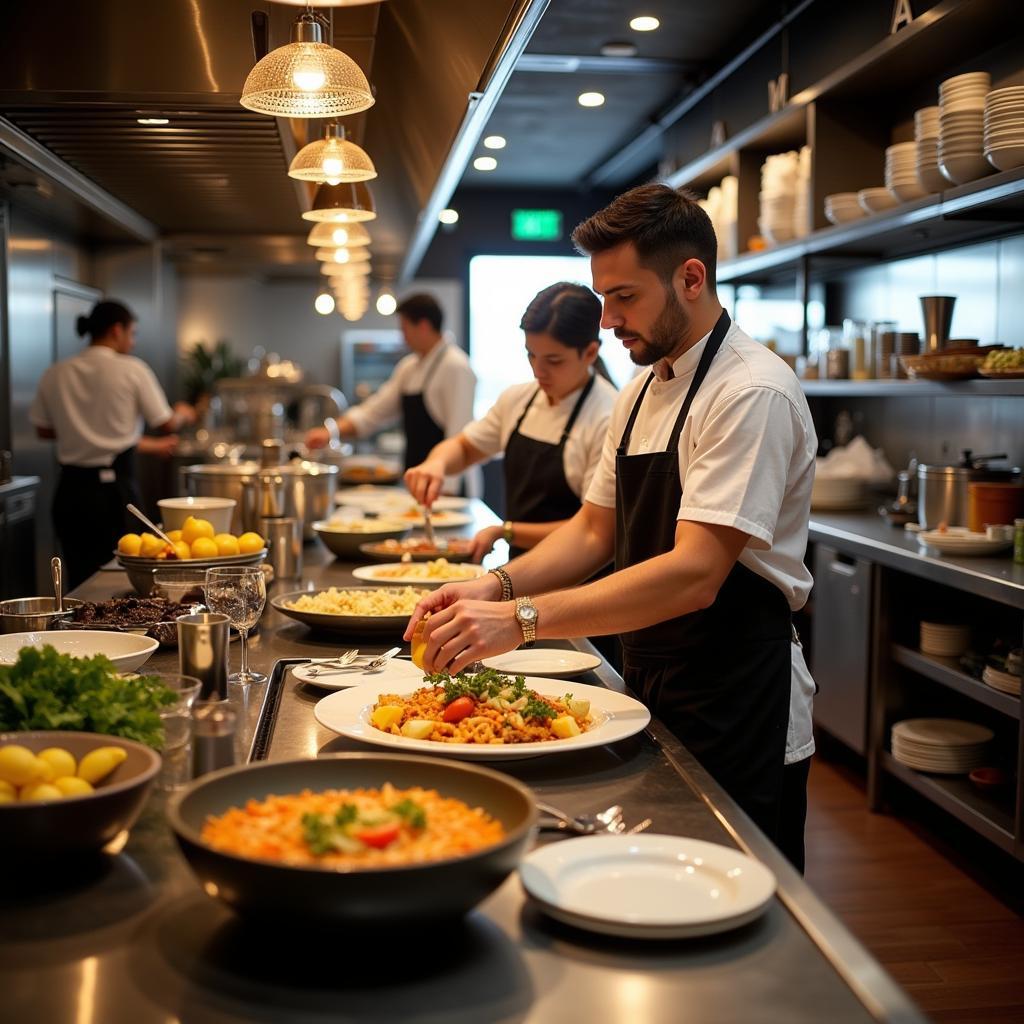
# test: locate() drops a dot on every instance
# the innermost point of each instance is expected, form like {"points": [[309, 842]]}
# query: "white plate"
{"points": [[615, 717], [373, 497], [372, 574], [553, 662], [442, 519], [941, 732], [397, 670], [126, 650], [647, 886], [962, 543]]}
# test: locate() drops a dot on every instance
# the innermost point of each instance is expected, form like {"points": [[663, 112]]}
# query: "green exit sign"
{"points": [[536, 225]]}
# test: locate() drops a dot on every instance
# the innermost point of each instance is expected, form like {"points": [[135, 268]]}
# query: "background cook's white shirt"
{"points": [[96, 402], [545, 422], [746, 453]]}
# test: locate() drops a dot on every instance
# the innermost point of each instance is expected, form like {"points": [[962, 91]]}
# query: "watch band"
{"points": [[506, 532], [527, 624], [506, 583]]}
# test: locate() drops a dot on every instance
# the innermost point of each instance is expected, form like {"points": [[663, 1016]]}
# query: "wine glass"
{"points": [[239, 592]]}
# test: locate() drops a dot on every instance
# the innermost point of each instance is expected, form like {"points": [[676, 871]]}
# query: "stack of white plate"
{"points": [[944, 641], [947, 746], [1004, 127], [875, 200], [841, 207], [837, 494], [961, 127], [1005, 682], [802, 193], [901, 172], [778, 197], [926, 135]]}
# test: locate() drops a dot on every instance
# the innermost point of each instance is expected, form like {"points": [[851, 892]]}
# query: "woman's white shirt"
{"points": [[546, 422], [95, 402]]}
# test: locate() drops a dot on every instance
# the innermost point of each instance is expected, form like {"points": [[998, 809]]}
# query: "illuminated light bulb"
{"points": [[448, 216], [339, 236], [308, 75], [386, 304], [591, 99], [324, 304], [645, 23], [341, 256], [485, 163]]}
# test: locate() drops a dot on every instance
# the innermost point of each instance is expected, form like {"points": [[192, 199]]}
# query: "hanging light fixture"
{"points": [[347, 203], [324, 303], [345, 269], [306, 78], [332, 159], [386, 303], [353, 255], [338, 235]]}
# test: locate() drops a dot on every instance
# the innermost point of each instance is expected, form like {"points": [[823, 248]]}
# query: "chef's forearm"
{"points": [[529, 535]]}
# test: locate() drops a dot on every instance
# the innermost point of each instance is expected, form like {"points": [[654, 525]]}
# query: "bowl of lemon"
{"points": [[65, 792], [196, 545]]}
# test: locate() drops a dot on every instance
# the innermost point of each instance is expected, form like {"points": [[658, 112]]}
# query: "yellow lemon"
{"points": [[385, 717], [19, 766], [130, 544], [418, 645], [249, 543], [227, 544], [7, 798], [40, 791], [59, 759], [181, 549], [204, 547], [70, 785], [151, 546], [192, 529], [6, 789], [173, 535], [99, 763]]}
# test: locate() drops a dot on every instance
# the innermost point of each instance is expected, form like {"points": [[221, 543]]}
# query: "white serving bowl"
{"points": [[908, 191], [844, 215], [1006, 158], [930, 178], [962, 169], [218, 511], [875, 200], [128, 651]]}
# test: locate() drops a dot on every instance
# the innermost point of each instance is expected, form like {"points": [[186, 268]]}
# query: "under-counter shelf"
{"points": [[991, 816], [947, 672]]}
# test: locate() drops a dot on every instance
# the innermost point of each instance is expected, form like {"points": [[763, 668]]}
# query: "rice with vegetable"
{"points": [[354, 828], [375, 601], [436, 569]]}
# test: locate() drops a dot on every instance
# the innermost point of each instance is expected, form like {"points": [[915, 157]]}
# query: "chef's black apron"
{"points": [[90, 514], [421, 431], [718, 678], [536, 490]]}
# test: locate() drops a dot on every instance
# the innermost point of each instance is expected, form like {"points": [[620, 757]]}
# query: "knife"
{"points": [[379, 663], [428, 527]]}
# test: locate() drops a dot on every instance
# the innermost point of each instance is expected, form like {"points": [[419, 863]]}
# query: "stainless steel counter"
{"points": [[132, 937]]}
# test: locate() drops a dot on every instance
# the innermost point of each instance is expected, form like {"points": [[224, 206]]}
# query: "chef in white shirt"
{"points": [[94, 405], [551, 431], [430, 392], [703, 495]]}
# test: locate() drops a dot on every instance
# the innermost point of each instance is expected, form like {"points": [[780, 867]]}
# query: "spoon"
{"points": [[156, 529], [57, 572]]}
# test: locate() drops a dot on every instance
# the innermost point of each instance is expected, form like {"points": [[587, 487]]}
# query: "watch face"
{"points": [[527, 613]]}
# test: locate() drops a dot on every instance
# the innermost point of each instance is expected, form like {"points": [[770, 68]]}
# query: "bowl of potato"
{"points": [[66, 792]]}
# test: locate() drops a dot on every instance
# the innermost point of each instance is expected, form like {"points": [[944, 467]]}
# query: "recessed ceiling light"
{"points": [[591, 99], [494, 142], [324, 304], [618, 48], [645, 23], [153, 120], [448, 216], [485, 163], [386, 304]]}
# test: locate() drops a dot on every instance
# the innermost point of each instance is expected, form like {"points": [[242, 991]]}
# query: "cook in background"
{"points": [[703, 495], [430, 391], [551, 432], [94, 405]]}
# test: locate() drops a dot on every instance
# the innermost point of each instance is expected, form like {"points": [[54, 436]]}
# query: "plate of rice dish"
{"points": [[351, 609], [419, 549], [434, 573], [483, 715]]}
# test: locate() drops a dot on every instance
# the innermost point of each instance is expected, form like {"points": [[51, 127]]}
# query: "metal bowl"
{"points": [[34, 614], [375, 897], [140, 570], [346, 543], [388, 625]]}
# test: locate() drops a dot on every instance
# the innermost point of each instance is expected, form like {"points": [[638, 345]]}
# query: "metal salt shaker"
{"points": [[213, 740]]}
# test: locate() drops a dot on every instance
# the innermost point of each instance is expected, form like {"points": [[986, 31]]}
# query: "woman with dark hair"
{"points": [[93, 405], [551, 432]]}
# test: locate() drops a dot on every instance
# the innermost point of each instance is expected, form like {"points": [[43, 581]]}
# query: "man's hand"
{"points": [[162, 447], [484, 541], [485, 588], [425, 481], [317, 437], [185, 414], [468, 631]]}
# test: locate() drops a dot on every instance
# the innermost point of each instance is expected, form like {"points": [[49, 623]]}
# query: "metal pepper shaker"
{"points": [[213, 738]]}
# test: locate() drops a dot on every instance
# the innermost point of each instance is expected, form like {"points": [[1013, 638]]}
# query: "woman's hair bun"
{"points": [[82, 325]]}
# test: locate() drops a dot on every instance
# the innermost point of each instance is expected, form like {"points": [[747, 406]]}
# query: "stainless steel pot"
{"points": [[942, 490], [301, 489], [34, 614]]}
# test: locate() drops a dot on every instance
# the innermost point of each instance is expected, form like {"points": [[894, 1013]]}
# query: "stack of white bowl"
{"points": [[961, 127], [875, 200], [926, 135], [901, 172], [778, 197], [947, 746], [841, 207], [942, 640], [1004, 127], [721, 206], [802, 200]]}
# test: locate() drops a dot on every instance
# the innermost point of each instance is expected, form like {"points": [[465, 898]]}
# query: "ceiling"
{"points": [[212, 183]]}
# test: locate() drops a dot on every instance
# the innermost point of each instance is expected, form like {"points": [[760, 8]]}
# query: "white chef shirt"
{"points": [[96, 402], [546, 422], [448, 395]]}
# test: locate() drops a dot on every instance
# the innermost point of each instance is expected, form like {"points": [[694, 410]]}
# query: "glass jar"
{"points": [[857, 341], [883, 345]]}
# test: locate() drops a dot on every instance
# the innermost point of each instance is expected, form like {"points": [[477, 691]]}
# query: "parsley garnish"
{"points": [[414, 815], [479, 685]]}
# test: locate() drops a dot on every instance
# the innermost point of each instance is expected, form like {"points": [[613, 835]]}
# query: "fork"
{"points": [[608, 820]]}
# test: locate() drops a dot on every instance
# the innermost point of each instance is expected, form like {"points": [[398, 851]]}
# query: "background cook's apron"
{"points": [[89, 514], [536, 490], [422, 433], [719, 678]]}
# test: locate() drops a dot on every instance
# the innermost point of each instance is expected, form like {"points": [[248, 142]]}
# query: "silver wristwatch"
{"points": [[526, 615]]}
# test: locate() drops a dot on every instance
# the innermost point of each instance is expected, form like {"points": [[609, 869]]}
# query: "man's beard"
{"points": [[666, 333]]}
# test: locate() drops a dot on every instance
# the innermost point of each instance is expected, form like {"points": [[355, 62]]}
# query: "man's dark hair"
{"points": [[102, 317], [666, 226], [421, 307]]}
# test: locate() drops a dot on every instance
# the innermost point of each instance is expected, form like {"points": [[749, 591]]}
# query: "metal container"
{"points": [[34, 614], [942, 490], [283, 535], [203, 651], [937, 313], [302, 490]]}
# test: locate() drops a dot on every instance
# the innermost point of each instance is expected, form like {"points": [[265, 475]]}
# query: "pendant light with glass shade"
{"points": [[337, 236], [386, 303], [332, 159], [324, 303], [347, 203], [353, 255], [345, 269], [306, 78]]}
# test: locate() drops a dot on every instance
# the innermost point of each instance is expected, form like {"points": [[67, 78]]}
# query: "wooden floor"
{"points": [[917, 894]]}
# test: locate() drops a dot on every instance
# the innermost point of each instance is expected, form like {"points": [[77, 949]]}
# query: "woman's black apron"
{"points": [[536, 490], [90, 515], [718, 678], [422, 433]]}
